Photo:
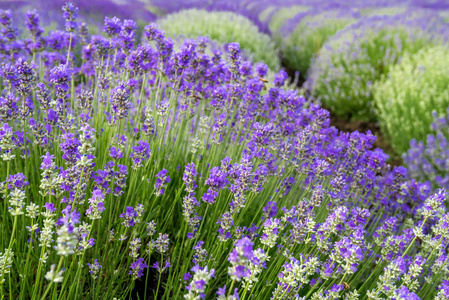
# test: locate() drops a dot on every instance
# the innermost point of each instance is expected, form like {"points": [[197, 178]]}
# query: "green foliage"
{"points": [[223, 27], [280, 17], [310, 34], [343, 74], [413, 89], [384, 11], [263, 16]]}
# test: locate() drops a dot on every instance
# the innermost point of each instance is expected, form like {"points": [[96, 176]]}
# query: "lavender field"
{"points": [[195, 149]]}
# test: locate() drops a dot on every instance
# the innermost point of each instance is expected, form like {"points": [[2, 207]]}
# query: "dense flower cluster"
{"points": [[177, 172]]}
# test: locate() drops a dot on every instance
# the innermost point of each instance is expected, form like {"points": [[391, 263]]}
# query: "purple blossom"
{"points": [[137, 268], [120, 101], [216, 181], [32, 23], [96, 205], [141, 152], [129, 217], [70, 14], [94, 268], [162, 180], [60, 77], [152, 32], [240, 257], [159, 269], [50, 207], [112, 26]]}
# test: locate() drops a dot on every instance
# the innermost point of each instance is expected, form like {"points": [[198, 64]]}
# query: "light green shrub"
{"points": [[413, 89], [343, 74], [223, 28]]}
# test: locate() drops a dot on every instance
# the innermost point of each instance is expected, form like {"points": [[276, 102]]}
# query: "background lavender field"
{"points": [[224, 149]]}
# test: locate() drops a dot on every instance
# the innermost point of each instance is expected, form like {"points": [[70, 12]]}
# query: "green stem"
{"points": [[70, 46], [160, 275], [51, 282]]}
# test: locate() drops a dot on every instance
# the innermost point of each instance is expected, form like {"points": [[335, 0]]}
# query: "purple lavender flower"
{"points": [[443, 289], [5, 17], [17, 181], [404, 293], [120, 101], [47, 162], [216, 181], [152, 32], [94, 268], [280, 78], [200, 253], [261, 69], [96, 205], [184, 54], [112, 27], [32, 23], [140, 153], [67, 241], [69, 147], [161, 269], [190, 201], [60, 77], [70, 14], [162, 180], [129, 217], [240, 258], [116, 153], [434, 203], [201, 277], [26, 76], [137, 268], [234, 51], [218, 97], [271, 229], [50, 207], [121, 180], [162, 242], [127, 35], [190, 173]]}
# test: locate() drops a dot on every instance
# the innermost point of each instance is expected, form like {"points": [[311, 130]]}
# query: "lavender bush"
{"points": [[279, 15], [301, 45], [132, 167], [413, 89], [429, 160], [224, 28], [349, 64]]}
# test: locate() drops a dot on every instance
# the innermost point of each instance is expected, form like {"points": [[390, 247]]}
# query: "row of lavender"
{"points": [[384, 62], [350, 53], [140, 169]]}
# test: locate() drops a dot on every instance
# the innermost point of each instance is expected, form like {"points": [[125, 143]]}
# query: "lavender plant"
{"points": [[301, 45], [428, 160], [277, 17], [349, 64], [413, 89], [223, 28], [139, 167]]}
